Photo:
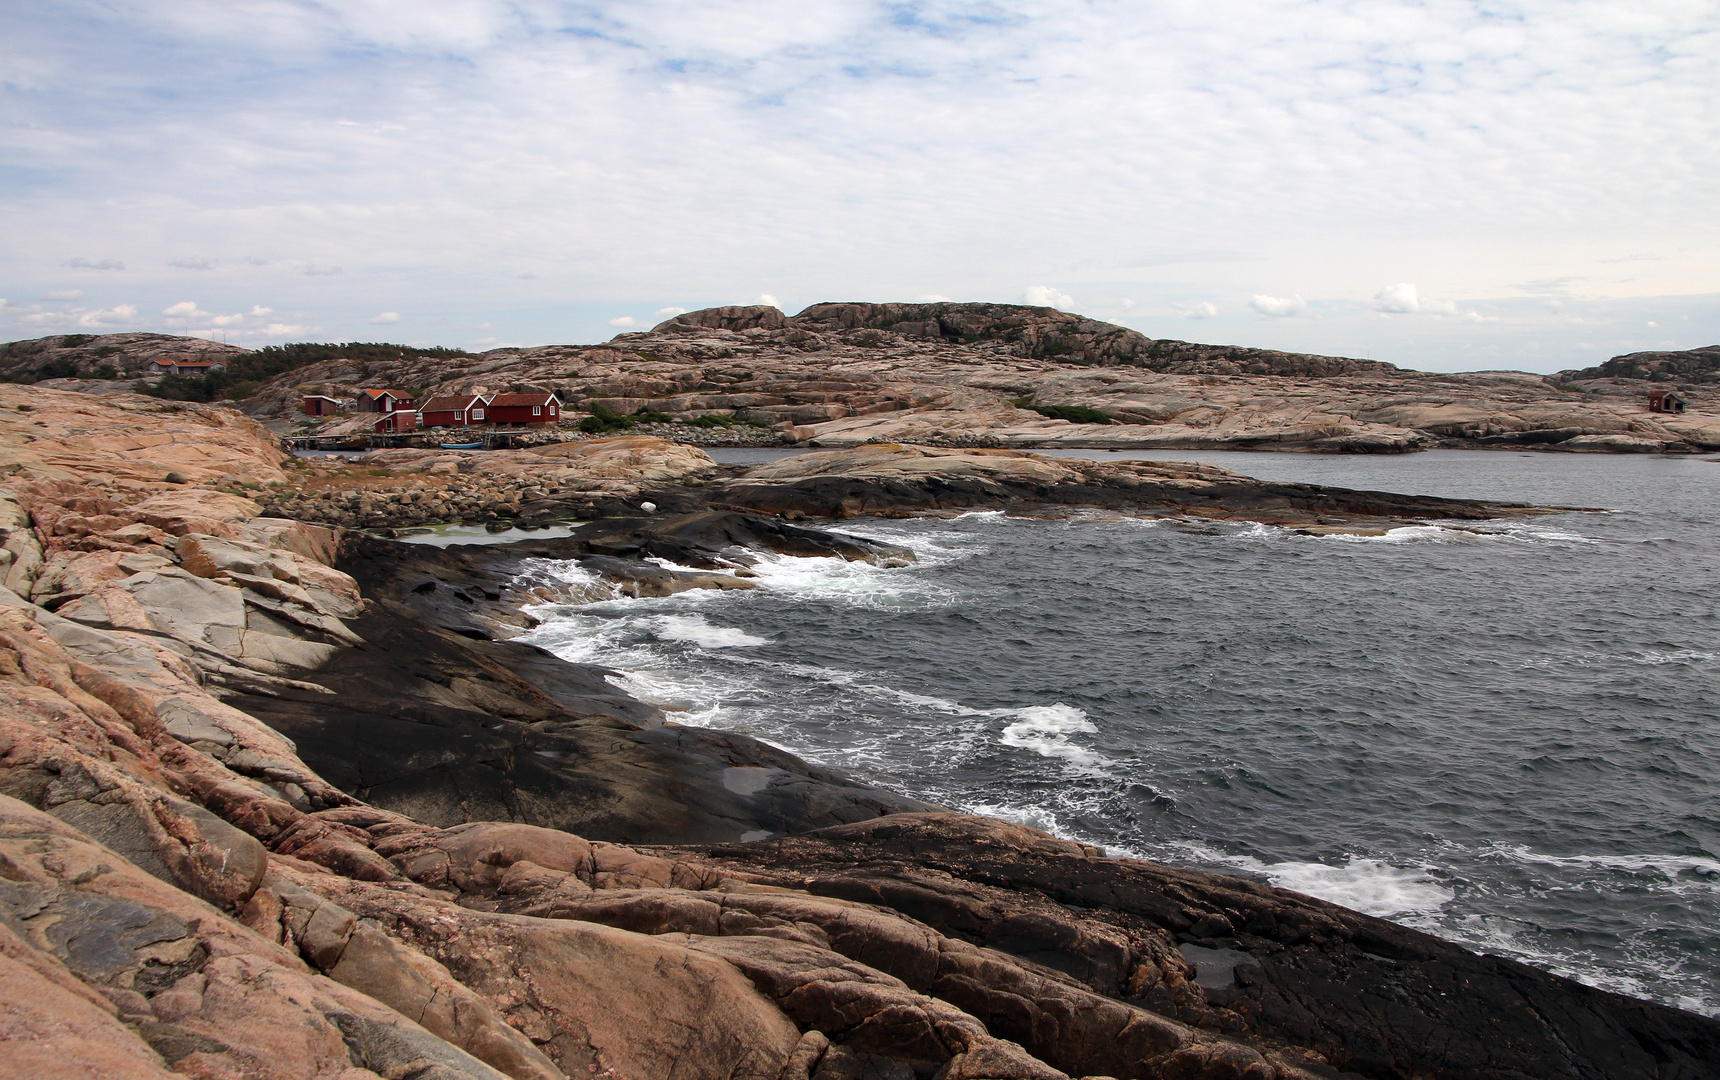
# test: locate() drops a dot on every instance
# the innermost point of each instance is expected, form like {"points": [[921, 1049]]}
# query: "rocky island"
{"points": [[968, 375], [281, 797]]}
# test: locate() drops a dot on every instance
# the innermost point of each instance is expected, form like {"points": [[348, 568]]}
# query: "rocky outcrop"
{"points": [[127, 440], [890, 479], [109, 356], [1689, 366]]}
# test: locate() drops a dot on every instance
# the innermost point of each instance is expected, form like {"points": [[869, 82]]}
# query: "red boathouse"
{"points": [[383, 401], [318, 405], [399, 420], [457, 411], [539, 408]]}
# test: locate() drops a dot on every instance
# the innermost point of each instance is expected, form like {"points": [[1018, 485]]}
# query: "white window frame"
{"points": [[537, 410]]}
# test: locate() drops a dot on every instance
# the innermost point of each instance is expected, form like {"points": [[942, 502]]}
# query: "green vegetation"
{"points": [[247, 371], [604, 420], [72, 341], [57, 369]]}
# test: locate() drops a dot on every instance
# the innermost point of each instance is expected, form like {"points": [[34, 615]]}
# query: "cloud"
{"points": [[1046, 296], [186, 309], [932, 298], [81, 263], [321, 270], [118, 315], [385, 318], [191, 262], [278, 330], [1399, 299], [1127, 303], [624, 321], [64, 295], [1484, 145], [768, 300], [1279, 307], [1206, 309], [670, 312]]}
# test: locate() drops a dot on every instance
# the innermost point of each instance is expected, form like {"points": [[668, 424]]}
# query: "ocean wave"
{"points": [[1045, 730], [1671, 869], [1370, 886]]}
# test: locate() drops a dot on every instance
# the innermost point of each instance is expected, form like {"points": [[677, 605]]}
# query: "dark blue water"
{"points": [[1506, 735]]}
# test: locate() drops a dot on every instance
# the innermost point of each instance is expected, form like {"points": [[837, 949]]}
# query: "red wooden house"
{"points": [[1665, 401], [318, 405], [395, 422], [536, 408], [383, 401], [459, 410]]}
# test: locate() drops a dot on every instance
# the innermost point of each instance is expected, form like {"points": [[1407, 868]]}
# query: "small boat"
{"points": [[461, 445]]}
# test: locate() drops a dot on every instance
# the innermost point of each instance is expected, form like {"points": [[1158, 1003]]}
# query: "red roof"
{"points": [[379, 393], [508, 401], [451, 404]]}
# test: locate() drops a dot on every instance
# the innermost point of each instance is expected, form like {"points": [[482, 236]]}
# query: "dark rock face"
{"points": [[1372, 998], [1242, 499], [1049, 334], [1691, 365], [432, 720]]}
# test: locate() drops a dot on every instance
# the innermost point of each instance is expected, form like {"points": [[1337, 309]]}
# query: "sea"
{"points": [[1504, 733]]}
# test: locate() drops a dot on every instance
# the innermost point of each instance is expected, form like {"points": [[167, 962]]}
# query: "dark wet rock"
{"points": [[431, 720], [1373, 998]]}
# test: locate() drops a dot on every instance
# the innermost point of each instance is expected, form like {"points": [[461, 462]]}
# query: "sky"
{"points": [[1445, 184]]}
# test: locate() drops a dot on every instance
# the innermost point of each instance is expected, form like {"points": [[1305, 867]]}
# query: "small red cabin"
{"points": [[460, 410], [1665, 401], [383, 401], [397, 421], [540, 408], [318, 405]]}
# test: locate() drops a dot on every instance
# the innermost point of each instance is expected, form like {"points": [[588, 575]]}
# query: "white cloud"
{"points": [[186, 309], [1047, 296], [1206, 309], [1399, 299], [191, 262], [278, 330], [768, 300], [1127, 303], [670, 312], [81, 263], [385, 318], [931, 298], [1327, 144], [1476, 317], [64, 295], [321, 270], [624, 321], [1279, 307], [118, 315]]}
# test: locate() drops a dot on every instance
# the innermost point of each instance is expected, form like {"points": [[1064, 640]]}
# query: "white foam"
{"points": [[1370, 886], [1671, 868], [1045, 730], [695, 630]]}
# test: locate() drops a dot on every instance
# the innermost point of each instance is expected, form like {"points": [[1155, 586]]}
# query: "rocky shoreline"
{"points": [[279, 799]]}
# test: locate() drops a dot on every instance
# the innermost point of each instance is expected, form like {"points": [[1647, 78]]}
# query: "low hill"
{"points": [[1689, 366]]}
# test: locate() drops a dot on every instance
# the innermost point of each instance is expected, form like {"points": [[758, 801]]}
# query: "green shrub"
{"points": [[713, 420], [72, 341], [57, 369], [1075, 414]]}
